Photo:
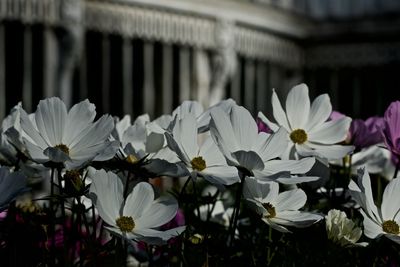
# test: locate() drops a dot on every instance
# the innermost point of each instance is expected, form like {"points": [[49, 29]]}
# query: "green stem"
{"points": [[397, 169], [52, 228], [270, 253], [195, 198], [235, 215], [184, 188]]}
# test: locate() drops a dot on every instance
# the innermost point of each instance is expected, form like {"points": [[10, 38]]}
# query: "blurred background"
{"points": [[137, 56]]}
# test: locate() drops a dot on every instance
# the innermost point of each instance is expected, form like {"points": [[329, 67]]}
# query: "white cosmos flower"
{"points": [[378, 221], [203, 117], [278, 210], [11, 185], [145, 140], [137, 217], [205, 160], [8, 152], [237, 136], [342, 230], [308, 131], [53, 134]]}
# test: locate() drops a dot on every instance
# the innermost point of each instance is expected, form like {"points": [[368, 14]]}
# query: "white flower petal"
{"points": [[222, 132], [290, 200], [271, 146], [79, 117], [298, 106], [50, 118], [279, 113], [391, 200], [159, 213], [244, 127], [154, 142], [135, 135], [188, 107], [225, 175], [261, 191], [363, 195], [297, 179], [276, 226], [139, 200], [108, 190], [35, 152], [96, 134], [293, 166], [248, 160], [211, 153], [32, 132], [371, 228], [273, 126], [321, 109], [324, 151], [203, 120], [185, 133], [297, 218], [174, 146], [154, 237], [330, 132]]}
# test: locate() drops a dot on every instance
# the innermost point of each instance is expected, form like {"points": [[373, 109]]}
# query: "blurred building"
{"points": [[136, 56]]}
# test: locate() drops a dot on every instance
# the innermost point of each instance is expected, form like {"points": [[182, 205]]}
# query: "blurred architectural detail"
{"points": [[135, 56]]}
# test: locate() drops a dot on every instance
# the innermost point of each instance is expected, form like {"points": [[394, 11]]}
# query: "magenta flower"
{"points": [[391, 131], [263, 127], [362, 133], [366, 133]]}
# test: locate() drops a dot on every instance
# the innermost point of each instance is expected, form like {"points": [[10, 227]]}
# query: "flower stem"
{"points": [[235, 215], [60, 188], [52, 229], [397, 169], [270, 253], [195, 198], [184, 188]]}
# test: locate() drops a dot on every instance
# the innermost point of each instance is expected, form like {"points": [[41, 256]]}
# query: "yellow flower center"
{"points": [[391, 227], [125, 223], [132, 159], [298, 136], [198, 164], [271, 210], [63, 148]]}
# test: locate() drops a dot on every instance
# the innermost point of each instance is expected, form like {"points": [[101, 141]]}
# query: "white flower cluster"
{"points": [[222, 144]]}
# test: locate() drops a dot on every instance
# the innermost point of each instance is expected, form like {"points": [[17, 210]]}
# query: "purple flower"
{"points": [[391, 131], [366, 133], [262, 127], [362, 133]]}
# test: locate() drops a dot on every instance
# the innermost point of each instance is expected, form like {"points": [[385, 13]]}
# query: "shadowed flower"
{"points": [[342, 230], [378, 221], [11, 185], [278, 210], [139, 215], [205, 160]]}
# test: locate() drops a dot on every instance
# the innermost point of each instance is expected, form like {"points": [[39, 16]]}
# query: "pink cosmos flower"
{"points": [[391, 131]]}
